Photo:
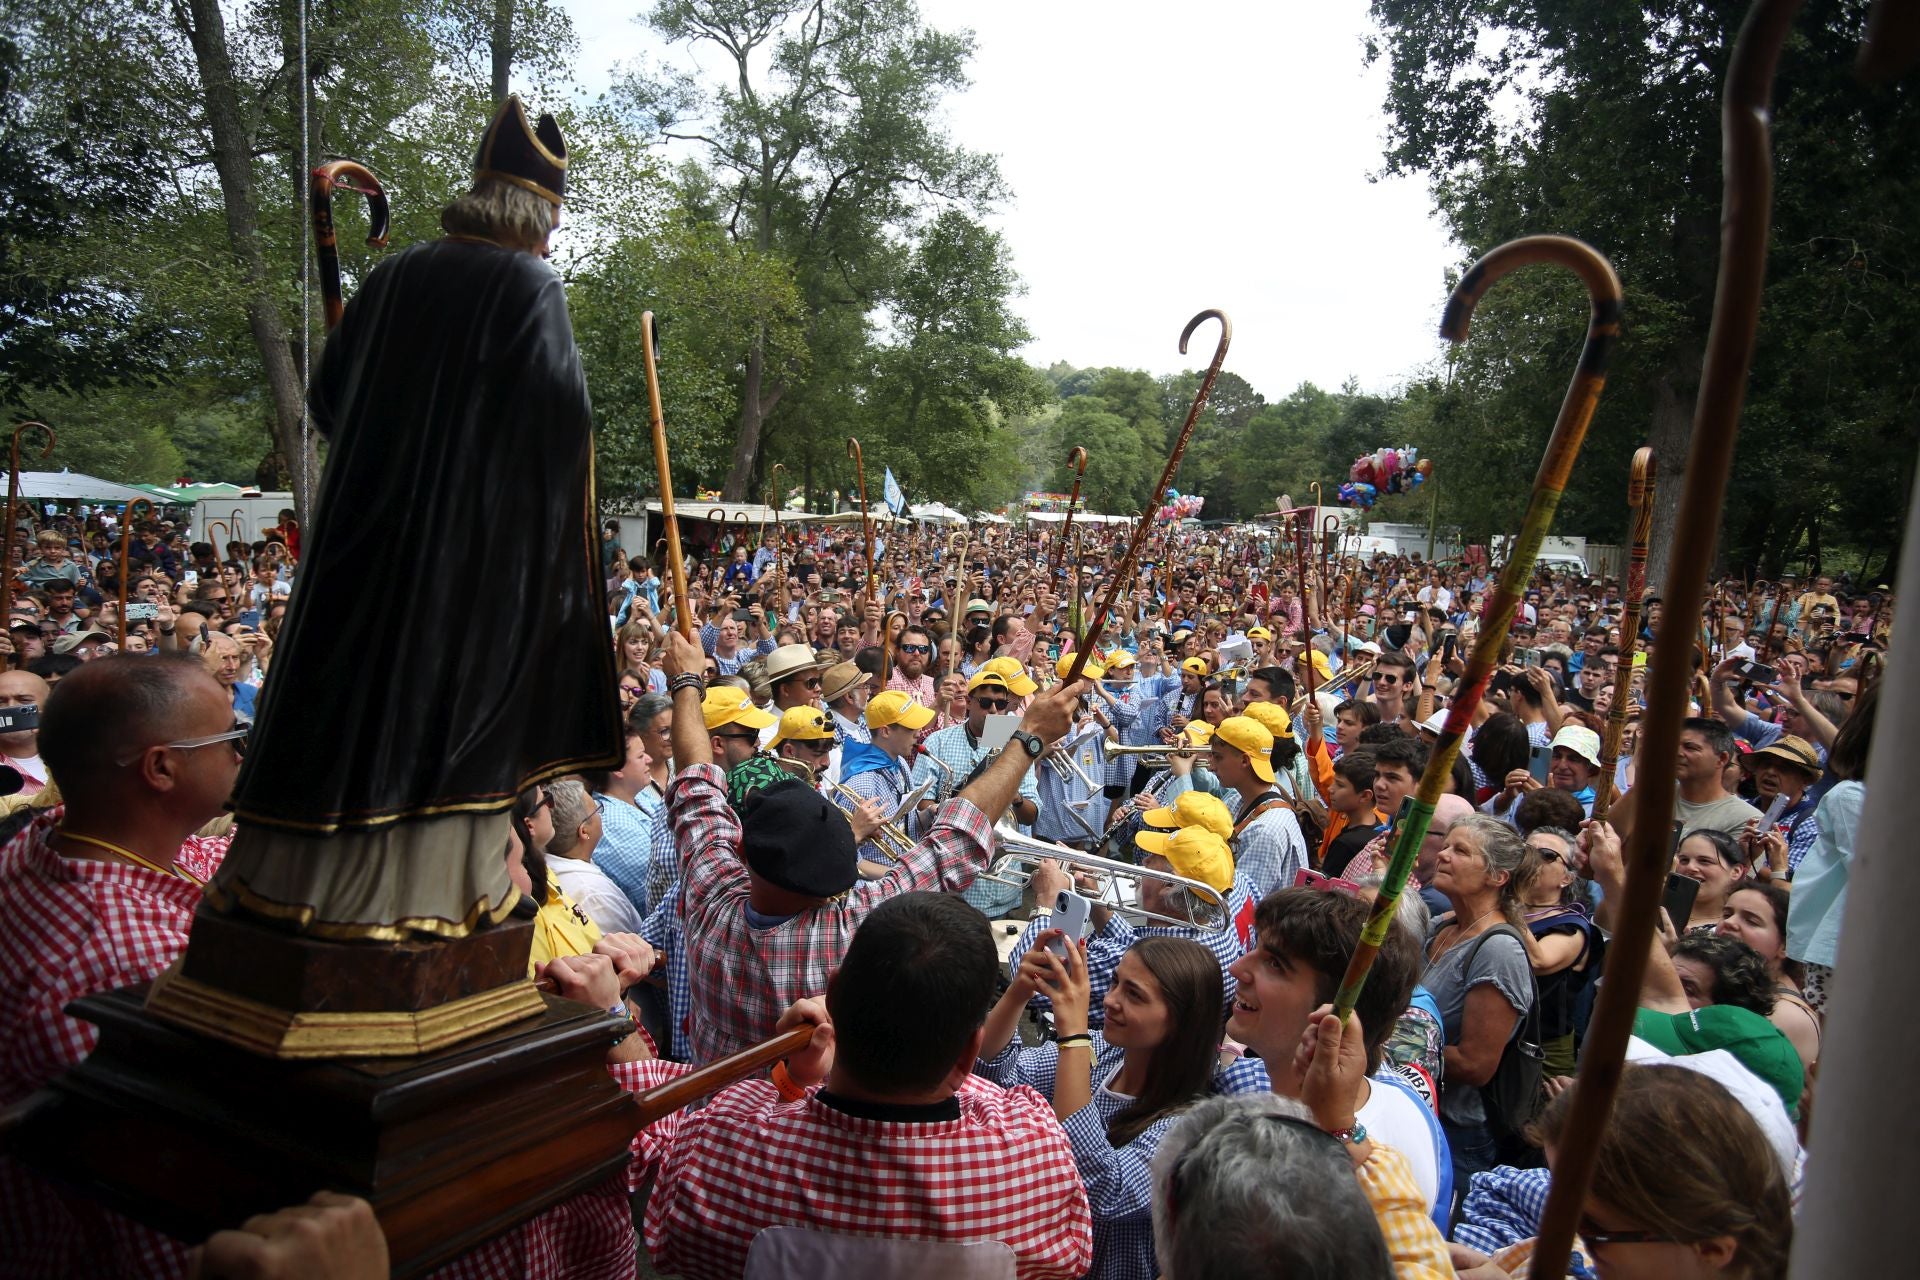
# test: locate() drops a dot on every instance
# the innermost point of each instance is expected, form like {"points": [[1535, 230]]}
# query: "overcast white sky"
{"points": [[1168, 158]]}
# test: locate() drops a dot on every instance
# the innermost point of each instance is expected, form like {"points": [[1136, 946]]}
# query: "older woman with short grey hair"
{"points": [[1249, 1188]]}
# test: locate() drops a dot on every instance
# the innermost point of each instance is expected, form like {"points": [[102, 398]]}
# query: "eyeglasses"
{"points": [[1599, 1239], [236, 735], [749, 737]]}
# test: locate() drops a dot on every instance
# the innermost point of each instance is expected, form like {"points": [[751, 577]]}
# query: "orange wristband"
{"points": [[783, 1081]]}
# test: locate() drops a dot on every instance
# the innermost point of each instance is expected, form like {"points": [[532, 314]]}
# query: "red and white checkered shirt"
{"points": [[748, 1160], [744, 976], [71, 927]]}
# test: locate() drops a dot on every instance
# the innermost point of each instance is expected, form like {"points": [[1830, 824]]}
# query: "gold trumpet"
{"points": [[894, 842], [1017, 856], [1352, 676]]}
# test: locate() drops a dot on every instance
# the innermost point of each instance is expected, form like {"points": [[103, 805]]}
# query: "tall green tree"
{"points": [[825, 143], [1601, 120]]}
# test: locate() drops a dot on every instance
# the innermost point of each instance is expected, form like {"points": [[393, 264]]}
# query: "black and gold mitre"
{"points": [[523, 154]]}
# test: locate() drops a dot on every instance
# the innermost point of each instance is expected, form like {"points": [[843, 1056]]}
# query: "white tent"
{"points": [[1079, 517], [938, 512], [988, 517], [71, 486]]}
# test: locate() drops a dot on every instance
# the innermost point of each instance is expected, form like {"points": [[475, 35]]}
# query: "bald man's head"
{"points": [[21, 689], [111, 709]]}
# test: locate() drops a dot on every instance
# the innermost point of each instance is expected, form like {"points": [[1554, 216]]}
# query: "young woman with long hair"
{"points": [[1117, 1089]]}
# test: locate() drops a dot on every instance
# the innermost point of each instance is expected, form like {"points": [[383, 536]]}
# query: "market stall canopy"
{"points": [[188, 494], [727, 512], [988, 517], [938, 512], [880, 515], [71, 486], [1079, 517]]}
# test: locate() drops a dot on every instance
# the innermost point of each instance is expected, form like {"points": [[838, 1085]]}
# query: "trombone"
{"points": [[1350, 676], [1017, 856]]}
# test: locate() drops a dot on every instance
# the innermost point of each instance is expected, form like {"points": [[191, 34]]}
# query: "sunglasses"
{"points": [[741, 737], [816, 746], [236, 735], [994, 704], [1600, 1239], [916, 648]]}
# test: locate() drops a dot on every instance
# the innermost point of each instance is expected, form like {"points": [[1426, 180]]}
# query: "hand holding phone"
{"points": [[1070, 915]]}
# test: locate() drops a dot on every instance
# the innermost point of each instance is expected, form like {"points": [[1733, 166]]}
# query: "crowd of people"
{"points": [[853, 799]]}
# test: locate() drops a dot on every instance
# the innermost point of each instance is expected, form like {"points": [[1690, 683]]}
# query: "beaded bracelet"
{"points": [[686, 680], [629, 1026]]}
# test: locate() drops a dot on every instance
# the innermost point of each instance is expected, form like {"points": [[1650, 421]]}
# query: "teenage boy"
{"points": [[1352, 817]]}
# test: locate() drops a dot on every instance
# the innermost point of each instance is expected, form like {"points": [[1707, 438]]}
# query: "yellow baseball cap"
{"points": [[1119, 659], [897, 707], [1195, 852], [1322, 668], [1197, 666], [1011, 675], [1198, 733], [1092, 671], [1244, 733], [724, 705], [1193, 809], [1273, 716], [1259, 633], [803, 724]]}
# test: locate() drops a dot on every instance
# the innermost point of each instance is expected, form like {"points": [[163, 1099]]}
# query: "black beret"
{"points": [[796, 838]]}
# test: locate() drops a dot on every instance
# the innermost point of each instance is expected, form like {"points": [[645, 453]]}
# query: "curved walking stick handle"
{"points": [[346, 175], [718, 1074], [1077, 459], [1098, 619], [1569, 432]]}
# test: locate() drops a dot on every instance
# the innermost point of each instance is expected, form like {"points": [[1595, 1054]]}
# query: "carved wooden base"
{"points": [[190, 1134], [286, 996]]}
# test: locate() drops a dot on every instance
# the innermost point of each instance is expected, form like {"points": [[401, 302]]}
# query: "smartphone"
{"points": [[142, 612], [1678, 900], [190, 578], [1446, 647], [1527, 657], [1070, 915], [1307, 878], [1758, 672], [19, 719], [1539, 760], [742, 615]]}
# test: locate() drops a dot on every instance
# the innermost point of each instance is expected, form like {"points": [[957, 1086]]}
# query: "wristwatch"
{"points": [[1030, 741]]}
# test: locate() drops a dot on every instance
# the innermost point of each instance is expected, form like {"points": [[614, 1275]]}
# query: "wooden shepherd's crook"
{"points": [[346, 176], [1098, 620], [13, 524], [1640, 487], [1744, 215], [1077, 459], [866, 521], [676, 559], [1569, 431]]}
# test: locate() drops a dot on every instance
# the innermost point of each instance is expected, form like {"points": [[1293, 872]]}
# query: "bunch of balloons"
{"points": [[1399, 470], [1181, 506]]}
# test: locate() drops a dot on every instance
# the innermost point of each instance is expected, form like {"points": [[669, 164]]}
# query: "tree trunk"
{"points": [[1669, 430], [301, 453], [502, 49], [754, 408], [232, 162]]}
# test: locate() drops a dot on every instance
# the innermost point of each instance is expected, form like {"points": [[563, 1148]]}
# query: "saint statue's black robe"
{"points": [[447, 643]]}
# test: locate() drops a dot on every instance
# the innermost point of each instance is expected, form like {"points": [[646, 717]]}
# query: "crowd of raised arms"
{"points": [[853, 801]]}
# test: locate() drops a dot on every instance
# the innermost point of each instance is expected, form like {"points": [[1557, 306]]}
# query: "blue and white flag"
{"points": [[896, 500]]}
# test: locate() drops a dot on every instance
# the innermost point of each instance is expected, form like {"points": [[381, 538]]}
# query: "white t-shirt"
{"points": [[1393, 1116], [595, 893]]}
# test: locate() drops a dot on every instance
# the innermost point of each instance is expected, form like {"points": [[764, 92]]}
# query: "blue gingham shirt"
{"points": [[1270, 850], [954, 749], [888, 787], [664, 932], [1111, 940], [626, 848], [1119, 1179], [747, 652], [1125, 715], [1059, 785]]}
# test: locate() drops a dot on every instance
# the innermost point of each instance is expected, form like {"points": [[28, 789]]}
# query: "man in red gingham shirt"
{"points": [[100, 894], [878, 1128], [769, 913]]}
